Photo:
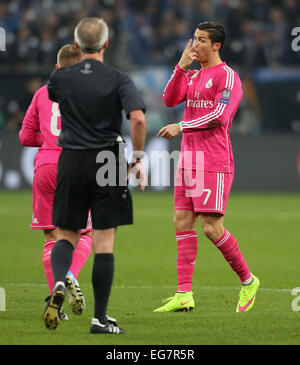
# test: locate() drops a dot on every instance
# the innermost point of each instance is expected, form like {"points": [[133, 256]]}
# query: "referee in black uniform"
{"points": [[92, 96]]}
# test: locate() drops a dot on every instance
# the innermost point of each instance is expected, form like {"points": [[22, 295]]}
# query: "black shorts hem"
{"points": [[108, 226]]}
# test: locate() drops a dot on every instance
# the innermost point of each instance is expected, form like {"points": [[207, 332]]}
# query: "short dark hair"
{"points": [[216, 32], [69, 55]]}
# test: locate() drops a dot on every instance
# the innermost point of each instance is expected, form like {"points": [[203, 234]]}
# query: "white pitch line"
{"points": [[159, 286]]}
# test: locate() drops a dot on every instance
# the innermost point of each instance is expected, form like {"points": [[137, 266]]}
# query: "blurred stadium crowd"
{"points": [[149, 32]]}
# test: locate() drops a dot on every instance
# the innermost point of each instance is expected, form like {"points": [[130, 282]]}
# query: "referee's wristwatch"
{"points": [[137, 156]]}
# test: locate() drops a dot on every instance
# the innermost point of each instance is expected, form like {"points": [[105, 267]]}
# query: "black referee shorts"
{"points": [[77, 191]]}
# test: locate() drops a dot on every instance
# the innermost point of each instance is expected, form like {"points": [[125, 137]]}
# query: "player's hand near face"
{"points": [[188, 56], [169, 131]]}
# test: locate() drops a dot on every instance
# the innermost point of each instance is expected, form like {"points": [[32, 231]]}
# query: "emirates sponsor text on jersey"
{"points": [[200, 103]]}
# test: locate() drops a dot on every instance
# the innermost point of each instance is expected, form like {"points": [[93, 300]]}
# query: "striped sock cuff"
{"points": [[186, 234], [223, 239], [48, 243]]}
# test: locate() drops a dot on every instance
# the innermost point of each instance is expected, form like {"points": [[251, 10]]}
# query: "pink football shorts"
{"points": [[44, 184], [202, 191]]}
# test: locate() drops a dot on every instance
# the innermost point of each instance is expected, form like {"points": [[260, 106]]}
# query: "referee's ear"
{"points": [[76, 44], [106, 44]]}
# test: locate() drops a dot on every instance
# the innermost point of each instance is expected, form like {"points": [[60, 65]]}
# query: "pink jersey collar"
{"points": [[209, 69]]}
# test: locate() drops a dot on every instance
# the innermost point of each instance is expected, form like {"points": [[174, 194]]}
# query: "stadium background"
{"points": [[146, 40]]}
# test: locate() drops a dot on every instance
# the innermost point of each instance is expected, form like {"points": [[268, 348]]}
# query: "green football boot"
{"points": [[181, 302], [247, 296]]}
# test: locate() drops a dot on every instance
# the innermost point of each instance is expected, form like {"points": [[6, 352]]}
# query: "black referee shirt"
{"points": [[91, 96]]}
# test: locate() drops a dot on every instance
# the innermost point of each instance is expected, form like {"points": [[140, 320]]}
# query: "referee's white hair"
{"points": [[91, 34]]}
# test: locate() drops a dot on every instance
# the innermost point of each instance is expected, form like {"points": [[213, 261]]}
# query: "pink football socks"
{"points": [[47, 263], [187, 251], [186, 256], [229, 247], [80, 256]]}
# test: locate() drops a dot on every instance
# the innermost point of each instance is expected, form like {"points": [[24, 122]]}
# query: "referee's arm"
{"points": [[138, 136], [138, 129], [134, 108]]}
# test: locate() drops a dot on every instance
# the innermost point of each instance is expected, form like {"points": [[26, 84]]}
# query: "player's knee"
{"points": [[177, 222], [181, 223], [209, 230], [50, 234]]}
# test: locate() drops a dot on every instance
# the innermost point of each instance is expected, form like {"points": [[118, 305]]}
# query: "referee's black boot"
{"points": [[110, 327]]}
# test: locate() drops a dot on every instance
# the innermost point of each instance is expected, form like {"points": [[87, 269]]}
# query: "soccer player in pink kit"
{"points": [[212, 97], [41, 128]]}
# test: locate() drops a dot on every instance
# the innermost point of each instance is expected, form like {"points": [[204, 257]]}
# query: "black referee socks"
{"points": [[102, 279], [61, 259]]}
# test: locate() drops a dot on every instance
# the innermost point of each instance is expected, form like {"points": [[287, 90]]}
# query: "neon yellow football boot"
{"points": [[247, 296], [181, 302]]}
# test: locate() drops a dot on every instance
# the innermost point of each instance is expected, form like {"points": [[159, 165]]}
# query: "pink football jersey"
{"points": [[41, 128], [211, 94]]}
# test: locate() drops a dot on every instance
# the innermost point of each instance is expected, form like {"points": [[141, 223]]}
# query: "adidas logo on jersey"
{"points": [[192, 77], [209, 83], [35, 221]]}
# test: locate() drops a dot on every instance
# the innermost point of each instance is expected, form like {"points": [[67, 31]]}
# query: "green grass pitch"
{"points": [[265, 225]]}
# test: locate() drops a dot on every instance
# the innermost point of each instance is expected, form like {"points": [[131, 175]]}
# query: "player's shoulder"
{"points": [[42, 90], [226, 69], [228, 75], [40, 93]]}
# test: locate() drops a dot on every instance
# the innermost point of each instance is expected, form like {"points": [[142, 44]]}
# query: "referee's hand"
{"points": [[137, 169]]}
